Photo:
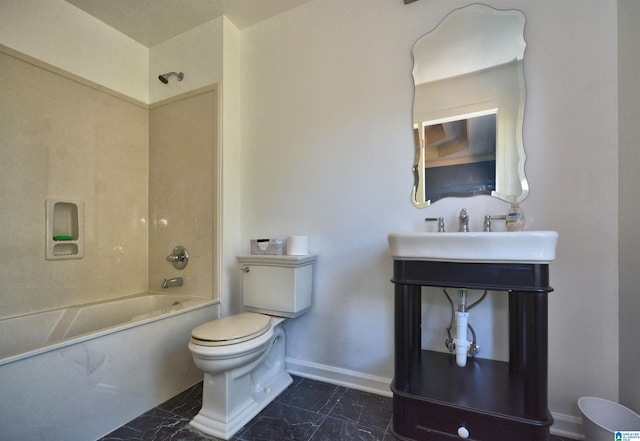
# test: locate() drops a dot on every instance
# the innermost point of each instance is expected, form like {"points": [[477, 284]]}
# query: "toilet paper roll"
{"points": [[297, 245]]}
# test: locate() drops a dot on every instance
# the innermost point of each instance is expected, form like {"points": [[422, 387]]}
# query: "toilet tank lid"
{"points": [[277, 260], [247, 324]]}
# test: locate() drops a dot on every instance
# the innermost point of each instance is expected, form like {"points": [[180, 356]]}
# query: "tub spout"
{"points": [[176, 281]]}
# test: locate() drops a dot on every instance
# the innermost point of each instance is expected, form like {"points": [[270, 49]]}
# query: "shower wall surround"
{"points": [[182, 139], [65, 140]]}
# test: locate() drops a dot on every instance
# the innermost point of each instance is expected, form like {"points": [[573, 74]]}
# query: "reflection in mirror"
{"points": [[468, 107], [460, 156]]}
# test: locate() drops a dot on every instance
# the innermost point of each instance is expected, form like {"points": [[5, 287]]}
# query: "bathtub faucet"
{"points": [[176, 281]]}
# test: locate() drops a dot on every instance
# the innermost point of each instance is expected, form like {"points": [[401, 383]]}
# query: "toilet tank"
{"points": [[279, 285]]}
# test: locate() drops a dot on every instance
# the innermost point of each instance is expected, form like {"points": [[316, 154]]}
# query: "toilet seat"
{"points": [[231, 330]]}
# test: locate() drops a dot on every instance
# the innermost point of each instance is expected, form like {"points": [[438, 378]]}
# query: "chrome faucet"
{"points": [[440, 221], [176, 281], [463, 221], [488, 219]]}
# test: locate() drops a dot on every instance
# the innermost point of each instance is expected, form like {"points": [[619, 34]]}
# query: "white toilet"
{"points": [[243, 355]]}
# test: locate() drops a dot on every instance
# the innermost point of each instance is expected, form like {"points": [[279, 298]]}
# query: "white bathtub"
{"points": [[80, 372]]}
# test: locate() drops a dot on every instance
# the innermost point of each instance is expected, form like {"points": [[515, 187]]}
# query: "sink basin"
{"points": [[509, 247]]}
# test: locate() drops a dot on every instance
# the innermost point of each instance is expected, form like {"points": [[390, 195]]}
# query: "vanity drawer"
{"points": [[427, 421]]}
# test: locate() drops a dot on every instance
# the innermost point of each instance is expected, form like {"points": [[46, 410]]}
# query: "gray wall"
{"points": [[629, 178]]}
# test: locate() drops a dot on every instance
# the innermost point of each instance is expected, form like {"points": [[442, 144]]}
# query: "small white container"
{"points": [[602, 418], [298, 245]]}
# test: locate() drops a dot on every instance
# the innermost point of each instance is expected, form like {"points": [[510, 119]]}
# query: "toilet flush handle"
{"points": [[245, 269]]}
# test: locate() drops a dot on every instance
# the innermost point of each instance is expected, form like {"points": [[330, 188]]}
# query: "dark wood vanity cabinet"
{"points": [[486, 400]]}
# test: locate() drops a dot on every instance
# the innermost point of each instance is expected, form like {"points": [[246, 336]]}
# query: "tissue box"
{"points": [[268, 246]]}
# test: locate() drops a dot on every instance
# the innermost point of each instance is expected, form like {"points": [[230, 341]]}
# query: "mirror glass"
{"points": [[468, 107]]}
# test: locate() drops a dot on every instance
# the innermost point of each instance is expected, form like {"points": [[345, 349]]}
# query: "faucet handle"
{"points": [[489, 218], [179, 258], [463, 221], [440, 221]]}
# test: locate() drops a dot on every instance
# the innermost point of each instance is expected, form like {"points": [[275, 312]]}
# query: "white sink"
{"points": [[517, 246]]}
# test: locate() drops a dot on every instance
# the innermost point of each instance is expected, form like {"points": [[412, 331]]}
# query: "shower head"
{"points": [[165, 77]]}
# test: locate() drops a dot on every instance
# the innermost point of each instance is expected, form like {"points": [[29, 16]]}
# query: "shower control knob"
{"points": [[179, 258], [463, 432]]}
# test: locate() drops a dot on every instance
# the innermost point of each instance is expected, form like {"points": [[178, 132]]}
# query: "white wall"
{"points": [[231, 160], [327, 144], [571, 137], [629, 111], [197, 53], [64, 36], [60, 34]]}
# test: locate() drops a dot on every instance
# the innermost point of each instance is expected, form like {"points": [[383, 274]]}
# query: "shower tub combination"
{"points": [[80, 372]]}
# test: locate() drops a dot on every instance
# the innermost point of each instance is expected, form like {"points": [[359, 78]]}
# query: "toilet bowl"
{"points": [[241, 374], [243, 355]]}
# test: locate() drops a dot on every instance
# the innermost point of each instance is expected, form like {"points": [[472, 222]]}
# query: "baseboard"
{"points": [[567, 426], [563, 425], [341, 377]]}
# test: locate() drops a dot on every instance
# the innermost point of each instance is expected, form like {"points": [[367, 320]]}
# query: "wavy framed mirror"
{"points": [[468, 108]]}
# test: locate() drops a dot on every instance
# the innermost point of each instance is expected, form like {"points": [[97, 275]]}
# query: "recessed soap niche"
{"points": [[64, 229]]}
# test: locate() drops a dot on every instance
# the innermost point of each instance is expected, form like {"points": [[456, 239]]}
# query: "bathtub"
{"points": [[80, 372]]}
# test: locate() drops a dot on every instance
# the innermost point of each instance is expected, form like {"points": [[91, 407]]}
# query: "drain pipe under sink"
{"points": [[462, 319]]}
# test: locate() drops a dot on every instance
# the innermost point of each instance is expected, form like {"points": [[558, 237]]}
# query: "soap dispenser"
{"points": [[515, 217]]}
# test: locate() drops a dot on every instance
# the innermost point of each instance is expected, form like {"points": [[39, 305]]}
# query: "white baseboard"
{"points": [[567, 426], [564, 425], [341, 377]]}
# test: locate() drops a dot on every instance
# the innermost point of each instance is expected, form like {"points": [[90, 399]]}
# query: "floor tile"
{"points": [[187, 404], [307, 411], [364, 408], [312, 395], [282, 422], [333, 429], [155, 425]]}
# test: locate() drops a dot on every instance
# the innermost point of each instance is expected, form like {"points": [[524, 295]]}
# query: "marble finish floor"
{"points": [[307, 411]]}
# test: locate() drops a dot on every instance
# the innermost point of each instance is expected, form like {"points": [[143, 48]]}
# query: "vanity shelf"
{"points": [[493, 400]]}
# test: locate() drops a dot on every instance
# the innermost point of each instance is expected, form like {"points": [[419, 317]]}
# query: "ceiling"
{"points": [[153, 21]]}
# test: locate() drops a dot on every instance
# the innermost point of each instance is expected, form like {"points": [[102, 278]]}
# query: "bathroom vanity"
{"points": [[436, 398], [487, 400]]}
